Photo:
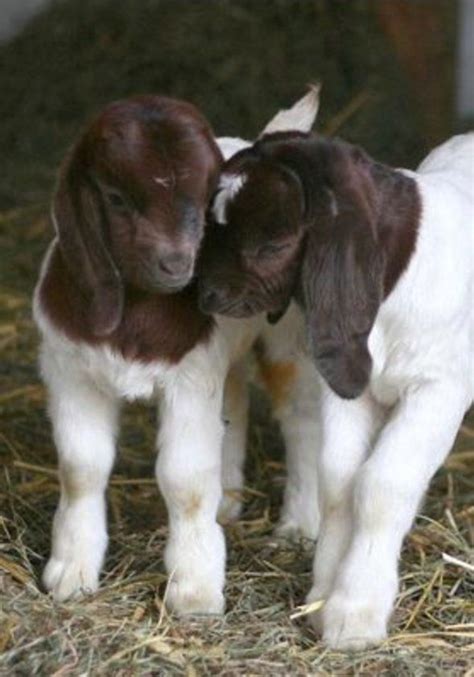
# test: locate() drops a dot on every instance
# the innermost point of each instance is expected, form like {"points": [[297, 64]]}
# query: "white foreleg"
{"points": [[189, 475], [84, 424], [235, 414], [388, 490], [348, 429]]}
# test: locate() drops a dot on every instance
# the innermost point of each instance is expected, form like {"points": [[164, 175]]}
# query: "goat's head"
{"points": [[248, 267], [295, 216], [131, 201], [250, 255]]}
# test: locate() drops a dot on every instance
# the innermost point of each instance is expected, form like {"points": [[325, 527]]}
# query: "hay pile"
{"points": [[69, 62], [124, 630]]}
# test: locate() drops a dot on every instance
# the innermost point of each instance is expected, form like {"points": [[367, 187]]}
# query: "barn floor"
{"points": [[124, 629]]}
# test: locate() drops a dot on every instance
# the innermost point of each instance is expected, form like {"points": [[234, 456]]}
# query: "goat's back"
{"points": [[454, 157]]}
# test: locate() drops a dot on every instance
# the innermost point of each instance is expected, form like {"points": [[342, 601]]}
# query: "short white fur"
{"points": [[229, 186], [380, 451]]}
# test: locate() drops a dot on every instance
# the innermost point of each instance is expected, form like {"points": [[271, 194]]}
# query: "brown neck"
{"points": [[153, 327], [399, 211]]}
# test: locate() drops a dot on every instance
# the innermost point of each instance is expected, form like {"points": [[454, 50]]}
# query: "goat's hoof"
{"points": [[193, 599], [229, 510], [295, 532], [352, 626], [67, 579], [315, 618]]}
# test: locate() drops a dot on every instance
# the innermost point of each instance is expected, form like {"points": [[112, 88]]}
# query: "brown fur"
{"points": [[278, 378], [130, 213], [339, 230], [153, 326]]}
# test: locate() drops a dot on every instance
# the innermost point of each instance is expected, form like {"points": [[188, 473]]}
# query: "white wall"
{"points": [[14, 14], [465, 69]]}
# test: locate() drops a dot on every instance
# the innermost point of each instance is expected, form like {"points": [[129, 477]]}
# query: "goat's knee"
{"points": [[190, 495], [384, 502], [195, 551], [189, 476]]}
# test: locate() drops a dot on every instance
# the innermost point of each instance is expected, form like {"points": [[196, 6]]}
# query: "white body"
{"points": [[196, 457], [380, 451]]}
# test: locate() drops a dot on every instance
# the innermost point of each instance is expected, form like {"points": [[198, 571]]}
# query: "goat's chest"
{"points": [[203, 368], [154, 327], [120, 377]]}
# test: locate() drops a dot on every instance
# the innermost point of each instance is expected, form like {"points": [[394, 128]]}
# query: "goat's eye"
{"points": [[116, 200], [271, 249]]}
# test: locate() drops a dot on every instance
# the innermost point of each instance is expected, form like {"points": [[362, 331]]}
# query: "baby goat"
{"points": [[117, 308], [382, 261]]}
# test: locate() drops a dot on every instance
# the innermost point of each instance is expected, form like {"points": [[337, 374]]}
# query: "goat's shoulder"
{"points": [[446, 179], [435, 288]]}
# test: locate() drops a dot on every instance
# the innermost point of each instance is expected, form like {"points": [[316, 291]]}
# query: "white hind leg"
{"points": [[235, 414]]}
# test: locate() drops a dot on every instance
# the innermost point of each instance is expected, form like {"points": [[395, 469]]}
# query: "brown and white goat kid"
{"points": [[382, 262], [117, 309]]}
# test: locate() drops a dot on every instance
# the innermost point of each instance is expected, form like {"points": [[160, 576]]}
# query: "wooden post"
{"points": [[423, 34]]}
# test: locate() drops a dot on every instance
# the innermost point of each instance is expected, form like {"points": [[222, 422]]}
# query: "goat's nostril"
{"points": [[212, 300], [209, 298], [176, 265]]}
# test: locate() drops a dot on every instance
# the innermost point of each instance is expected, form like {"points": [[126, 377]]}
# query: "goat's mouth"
{"points": [[154, 279], [170, 286], [239, 309], [212, 303], [159, 285]]}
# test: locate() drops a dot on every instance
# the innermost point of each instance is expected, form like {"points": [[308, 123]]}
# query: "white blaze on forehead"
{"points": [[229, 186], [166, 181]]}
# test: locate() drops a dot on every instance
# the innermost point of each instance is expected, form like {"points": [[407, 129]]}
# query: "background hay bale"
{"points": [[239, 61]]}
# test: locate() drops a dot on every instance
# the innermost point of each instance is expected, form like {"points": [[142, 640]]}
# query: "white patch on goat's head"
{"points": [[165, 181], [333, 206], [229, 186]]}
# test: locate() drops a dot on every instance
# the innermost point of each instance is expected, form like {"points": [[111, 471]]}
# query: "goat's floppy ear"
{"points": [[79, 217], [300, 117], [342, 281]]}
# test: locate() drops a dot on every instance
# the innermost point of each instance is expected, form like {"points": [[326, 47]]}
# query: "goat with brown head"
{"points": [[299, 216], [381, 260], [129, 215], [130, 203]]}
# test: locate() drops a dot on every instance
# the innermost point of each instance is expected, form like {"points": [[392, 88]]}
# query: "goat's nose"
{"points": [[210, 300], [176, 265]]}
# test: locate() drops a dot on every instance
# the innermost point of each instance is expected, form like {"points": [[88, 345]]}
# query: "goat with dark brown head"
{"points": [[381, 260], [298, 216]]}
